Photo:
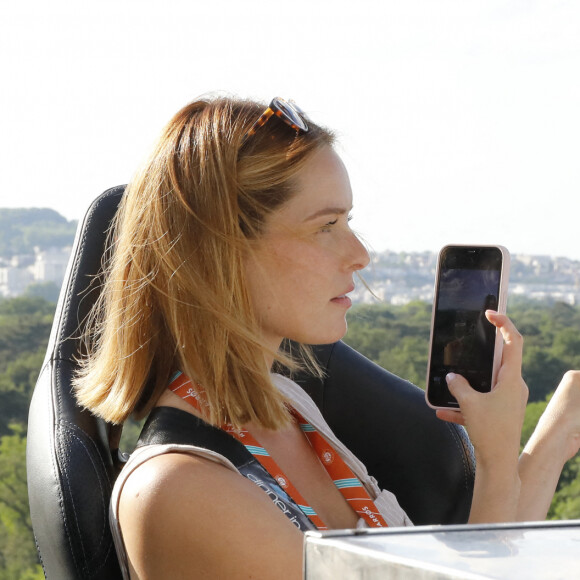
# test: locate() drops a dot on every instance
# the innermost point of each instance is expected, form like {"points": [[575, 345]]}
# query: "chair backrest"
{"points": [[73, 460], [70, 464]]}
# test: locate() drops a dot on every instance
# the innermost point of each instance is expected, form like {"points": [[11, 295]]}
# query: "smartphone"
{"points": [[469, 281]]}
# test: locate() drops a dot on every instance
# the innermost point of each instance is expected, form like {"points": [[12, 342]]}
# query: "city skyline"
{"points": [[394, 277]]}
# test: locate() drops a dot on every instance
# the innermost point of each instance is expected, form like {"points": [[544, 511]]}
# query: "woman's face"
{"points": [[302, 269]]}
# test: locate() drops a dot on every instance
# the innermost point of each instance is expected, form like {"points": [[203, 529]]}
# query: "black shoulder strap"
{"points": [[167, 425]]}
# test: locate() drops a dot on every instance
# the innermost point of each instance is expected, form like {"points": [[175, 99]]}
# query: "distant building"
{"points": [[398, 278], [50, 265], [393, 278], [14, 280], [21, 271]]}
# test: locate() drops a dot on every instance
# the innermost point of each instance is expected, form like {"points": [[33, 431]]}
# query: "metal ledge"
{"points": [[539, 550]]}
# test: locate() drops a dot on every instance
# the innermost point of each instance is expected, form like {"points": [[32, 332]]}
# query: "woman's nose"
{"points": [[358, 255]]}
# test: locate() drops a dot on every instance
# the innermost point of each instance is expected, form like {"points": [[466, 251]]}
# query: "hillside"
{"points": [[21, 229], [33, 235]]}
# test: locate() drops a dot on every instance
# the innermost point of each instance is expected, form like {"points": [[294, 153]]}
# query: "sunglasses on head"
{"points": [[287, 111]]}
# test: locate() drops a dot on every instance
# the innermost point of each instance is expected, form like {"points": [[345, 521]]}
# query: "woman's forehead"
{"points": [[322, 188]]}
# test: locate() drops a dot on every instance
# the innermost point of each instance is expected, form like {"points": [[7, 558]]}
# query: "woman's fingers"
{"points": [[451, 416], [513, 343], [494, 419], [459, 387]]}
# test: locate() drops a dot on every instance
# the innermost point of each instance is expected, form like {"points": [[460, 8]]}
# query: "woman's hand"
{"points": [[494, 420]]}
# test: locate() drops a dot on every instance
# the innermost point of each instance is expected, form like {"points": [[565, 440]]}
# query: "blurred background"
{"points": [[459, 121]]}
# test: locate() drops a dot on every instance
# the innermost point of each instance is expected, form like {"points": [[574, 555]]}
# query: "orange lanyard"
{"points": [[343, 477]]}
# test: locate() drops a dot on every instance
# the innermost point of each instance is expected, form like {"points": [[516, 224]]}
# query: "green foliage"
{"points": [[395, 337], [22, 229], [26, 306], [16, 386], [48, 291], [533, 413], [542, 371], [566, 502], [130, 435], [18, 558], [24, 330], [25, 324], [552, 344]]}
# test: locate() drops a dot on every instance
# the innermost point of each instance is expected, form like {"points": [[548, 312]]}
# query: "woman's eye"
{"points": [[328, 226]]}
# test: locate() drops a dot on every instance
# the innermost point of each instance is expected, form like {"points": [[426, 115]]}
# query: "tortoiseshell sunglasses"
{"points": [[287, 111]]}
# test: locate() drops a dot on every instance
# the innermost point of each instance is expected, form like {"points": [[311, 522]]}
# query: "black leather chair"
{"points": [[73, 457]]}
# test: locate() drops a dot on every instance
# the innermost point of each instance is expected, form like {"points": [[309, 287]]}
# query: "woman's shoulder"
{"points": [[168, 481], [167, 484], [181, 512]]}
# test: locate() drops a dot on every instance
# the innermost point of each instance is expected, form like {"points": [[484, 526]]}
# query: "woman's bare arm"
{"points": [[186, 517], [555, 440]]}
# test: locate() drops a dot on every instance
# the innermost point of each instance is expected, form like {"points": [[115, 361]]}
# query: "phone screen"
{"points": [[463, 340]]}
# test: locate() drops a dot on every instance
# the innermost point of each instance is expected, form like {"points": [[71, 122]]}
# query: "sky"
{"points": [[458, 120]]}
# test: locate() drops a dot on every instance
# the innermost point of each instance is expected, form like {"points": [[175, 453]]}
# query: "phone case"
{"points": [[502, 304]]}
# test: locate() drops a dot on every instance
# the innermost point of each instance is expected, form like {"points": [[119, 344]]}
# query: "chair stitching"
{"points": [[65, 312], [57, 356], [457, 440], [81, 566], [73, 429], [56, 464]]}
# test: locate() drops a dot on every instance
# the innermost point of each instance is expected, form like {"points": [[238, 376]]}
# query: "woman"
{"points": [[234, 237]]}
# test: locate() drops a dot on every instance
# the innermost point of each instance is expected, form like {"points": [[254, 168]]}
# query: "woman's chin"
{"points": [[328, 336]]}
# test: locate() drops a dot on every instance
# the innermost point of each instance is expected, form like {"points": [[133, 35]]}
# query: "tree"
{"points": [[395, 337], [23, 229], [566, 502], [24, 327], [47, 290], [16, 386], [533, 413], [542, 371], [408, 359], [567, 346], [24, 330], [18, 557]]}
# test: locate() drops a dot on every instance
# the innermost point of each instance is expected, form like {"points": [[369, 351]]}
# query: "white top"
{"points": [[384, 500]]}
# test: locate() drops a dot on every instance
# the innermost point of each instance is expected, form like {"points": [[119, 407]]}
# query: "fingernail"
{"points": [[450, 377]]}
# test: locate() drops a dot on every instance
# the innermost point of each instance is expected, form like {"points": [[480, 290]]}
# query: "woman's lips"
{"points": [[343, 299]]}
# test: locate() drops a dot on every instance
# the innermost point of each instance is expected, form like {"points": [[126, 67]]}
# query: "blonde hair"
{"points": [[175, 294]]}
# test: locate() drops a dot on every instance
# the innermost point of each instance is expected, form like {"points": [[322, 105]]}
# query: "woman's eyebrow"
{"points": [[327, 211]]}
